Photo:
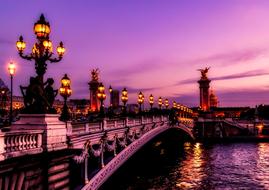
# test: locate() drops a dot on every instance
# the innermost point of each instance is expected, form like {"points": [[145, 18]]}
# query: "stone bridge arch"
{"points": [[129, 151]]}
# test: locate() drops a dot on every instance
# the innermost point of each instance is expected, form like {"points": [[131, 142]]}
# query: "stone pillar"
{"points": [[94, 102], [86, 179], [204, 93], [55, 131], [2, 146], [102, 154], [104, 124]]}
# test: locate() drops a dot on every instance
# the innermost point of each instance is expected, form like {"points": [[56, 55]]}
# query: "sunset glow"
{"points": [[150, 46]]}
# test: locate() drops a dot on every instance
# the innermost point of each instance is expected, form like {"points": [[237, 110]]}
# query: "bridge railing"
{"points": [[19, 143], [187, 121], [108, 124], [82, 127]]}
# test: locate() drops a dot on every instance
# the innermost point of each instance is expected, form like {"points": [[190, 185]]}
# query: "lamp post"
{"points": [[110, 93], [101, 96], [160, 102], [174, 105], [140, 100], [166, 103], [151, 101], [124, 99], [3, 93], [41, 54], [65, 92], [11, 70]]}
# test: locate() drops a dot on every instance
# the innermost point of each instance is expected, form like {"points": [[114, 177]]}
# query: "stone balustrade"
{"points": [[19, 143], [109, 124], [187, 121]]}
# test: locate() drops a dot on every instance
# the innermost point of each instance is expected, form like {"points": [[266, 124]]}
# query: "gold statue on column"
{"points": [[95, 74], [204, 72]]}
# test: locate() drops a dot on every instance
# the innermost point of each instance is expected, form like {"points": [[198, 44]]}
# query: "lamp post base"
{"points": [[54, 131]]}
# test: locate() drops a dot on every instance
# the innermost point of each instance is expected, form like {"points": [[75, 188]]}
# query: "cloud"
{"points": [[254, 73], [142, 67], [244, 97], [134, 90], [232, 57], [5, 41]]}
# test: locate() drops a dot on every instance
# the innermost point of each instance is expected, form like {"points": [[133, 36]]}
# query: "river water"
{"points": [[171, 162]]}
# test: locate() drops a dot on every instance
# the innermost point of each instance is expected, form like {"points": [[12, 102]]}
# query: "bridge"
{"points": [[44, 153], [228, 127]]}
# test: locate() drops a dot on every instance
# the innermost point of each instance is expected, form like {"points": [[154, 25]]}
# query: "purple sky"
{"points": [[151, 45]]}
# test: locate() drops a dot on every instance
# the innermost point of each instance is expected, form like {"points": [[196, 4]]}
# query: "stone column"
{"points": [[86, 179], [102, 154]]}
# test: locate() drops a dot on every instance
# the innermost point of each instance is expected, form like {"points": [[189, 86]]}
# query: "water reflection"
{"points": [[261, 173], [191, 169], [198, 166]]}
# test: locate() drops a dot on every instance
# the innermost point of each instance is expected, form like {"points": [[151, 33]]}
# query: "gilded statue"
{"points": [[204, 72], [95, 74]]}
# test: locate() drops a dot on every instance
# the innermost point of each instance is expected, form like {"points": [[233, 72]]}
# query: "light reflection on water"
{"points": [[198, 166], [191, 169], [226, 166]]}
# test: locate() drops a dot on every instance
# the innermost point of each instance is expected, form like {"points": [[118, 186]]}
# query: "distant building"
{"points": [[17, 102], [228, 112], [132, 108], [114, 98], [213, 99], [80, 106], [4, 95]]}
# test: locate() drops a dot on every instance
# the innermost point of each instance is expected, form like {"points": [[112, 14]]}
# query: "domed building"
{"points": [[213, 99]]}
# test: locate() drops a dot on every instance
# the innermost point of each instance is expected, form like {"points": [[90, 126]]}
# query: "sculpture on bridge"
{"points": [[38, 98], [204, 72], [95, 74]]}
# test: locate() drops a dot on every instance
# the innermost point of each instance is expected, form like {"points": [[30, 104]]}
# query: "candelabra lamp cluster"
{"points": [[124, 98], [166, 103], [140, 100], [110, 93], [101, 96], [151, 101], [160, 102], [65, 92], [174, 105], [39, 96]]}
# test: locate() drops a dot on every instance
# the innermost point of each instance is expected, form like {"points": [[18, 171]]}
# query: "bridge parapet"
{"points": [[110, 124], [20, 143], [187, 121]]}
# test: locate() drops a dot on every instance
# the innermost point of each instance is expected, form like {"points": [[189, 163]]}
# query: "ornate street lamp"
{"points": [[65, 92], [3, 93], [124, 98], [110, 93], [151, 101], [140, 100], [110, 89], [101, 96], [174, 105], [41, 54], [160, 102], [166, 103], [11, 70]]}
